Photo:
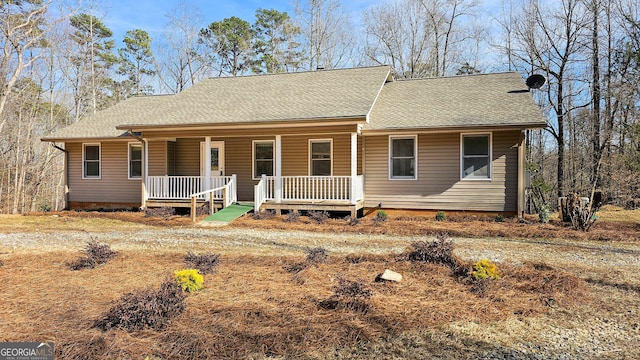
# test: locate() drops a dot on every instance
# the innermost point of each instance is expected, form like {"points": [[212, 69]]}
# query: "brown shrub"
{"points": [[164, 212], [206, 263], [316, 255], [150, 308], [438, 252], [349, 294], [94, 254]]}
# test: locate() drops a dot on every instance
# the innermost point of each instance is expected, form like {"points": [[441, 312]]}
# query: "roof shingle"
{"points": [[481, 100], [463, 101]]}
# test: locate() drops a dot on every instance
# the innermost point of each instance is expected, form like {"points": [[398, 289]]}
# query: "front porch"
{"points": [[311, 193], [193, 170], [330, 193]]}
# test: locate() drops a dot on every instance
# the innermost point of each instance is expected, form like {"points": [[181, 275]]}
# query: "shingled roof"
{"points": [[483, 100], [490, 100], [303, 96]]}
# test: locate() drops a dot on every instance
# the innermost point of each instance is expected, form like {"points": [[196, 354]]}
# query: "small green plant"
{"points": [[485, 269], [381, 216], [441, 216], [189, 279], [499, 218], [45, 207], [544, 213]]}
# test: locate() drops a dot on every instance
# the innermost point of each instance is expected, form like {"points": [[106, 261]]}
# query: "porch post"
{"points": [[354, 167], [278, 169], [207, 162], [145, 172], [521, 175]]}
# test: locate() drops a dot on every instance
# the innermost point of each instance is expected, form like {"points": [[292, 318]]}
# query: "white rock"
{"points": [[390, 275]]}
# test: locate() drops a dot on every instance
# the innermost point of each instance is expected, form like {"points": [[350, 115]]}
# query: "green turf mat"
{"points": [[230, 213]]}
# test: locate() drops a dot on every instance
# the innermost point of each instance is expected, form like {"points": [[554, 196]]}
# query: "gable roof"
{"points": [[486, 100], [483, 100], [303, 96]]}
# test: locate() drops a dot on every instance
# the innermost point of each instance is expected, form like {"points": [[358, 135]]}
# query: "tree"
{"points": [[397, 35], [422, 37], [92, 59], [467, 69], [275, 42], [551, 39], [21, 25], [136, 60], [229, 45], [445, 22], [327, 33], [179, 63]]}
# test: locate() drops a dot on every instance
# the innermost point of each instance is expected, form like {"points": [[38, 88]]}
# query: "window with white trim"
{"points": [[263, 155], [320, 159], [475, 156], [403, 157], [90, 161], [135, 161]]}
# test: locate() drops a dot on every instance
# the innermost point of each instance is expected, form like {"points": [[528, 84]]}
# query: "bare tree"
{"points": [[424, 37], [21, 25], [446, 22], [551, 39], [179, 63], [327, 32], [397, 35]]}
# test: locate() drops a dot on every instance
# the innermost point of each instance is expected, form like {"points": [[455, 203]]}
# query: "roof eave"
{"points": [[247, 124], [495, 127]]}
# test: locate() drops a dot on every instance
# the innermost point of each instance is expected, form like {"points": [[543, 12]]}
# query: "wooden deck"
{"points": [[180, 203], [326, 205]]}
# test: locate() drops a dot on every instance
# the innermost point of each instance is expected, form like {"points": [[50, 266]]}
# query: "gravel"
{"points": [[609, 332]]}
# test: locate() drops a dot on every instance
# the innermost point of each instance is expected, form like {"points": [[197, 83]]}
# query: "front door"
{"points": [[217, 158]]}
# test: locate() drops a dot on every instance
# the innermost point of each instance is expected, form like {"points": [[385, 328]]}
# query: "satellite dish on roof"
{"points": [[535, 81]]}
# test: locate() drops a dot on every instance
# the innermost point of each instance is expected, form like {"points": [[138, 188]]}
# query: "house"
{"points": [[327, 140]]}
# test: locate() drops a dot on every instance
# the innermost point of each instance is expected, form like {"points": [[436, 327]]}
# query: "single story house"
{"points": [[328, 140]]}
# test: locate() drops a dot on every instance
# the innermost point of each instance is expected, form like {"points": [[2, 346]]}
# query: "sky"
{"points": [[150, 15]]}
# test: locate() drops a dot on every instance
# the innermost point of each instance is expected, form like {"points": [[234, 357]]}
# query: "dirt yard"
{"points": [[562, 294]]}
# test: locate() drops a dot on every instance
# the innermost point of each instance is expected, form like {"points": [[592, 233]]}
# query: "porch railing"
{"points": [[182, 187], [309, 189], [228, 197]]}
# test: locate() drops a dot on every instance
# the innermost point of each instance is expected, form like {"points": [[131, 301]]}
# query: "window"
{"points": [[476, 156], [262, 158], [320, 157], [90, 161], [402, 157], [135, 161]]}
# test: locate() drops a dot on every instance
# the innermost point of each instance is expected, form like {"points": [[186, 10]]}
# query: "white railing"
{"points": [[309, 189], [181, 187], [260, 193], [228, 197]]}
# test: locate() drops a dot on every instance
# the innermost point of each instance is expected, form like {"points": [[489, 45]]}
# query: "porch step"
{"points": [[228, 214]]}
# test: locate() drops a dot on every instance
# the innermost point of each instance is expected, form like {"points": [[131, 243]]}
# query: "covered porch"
{"points": [[183, 187]]}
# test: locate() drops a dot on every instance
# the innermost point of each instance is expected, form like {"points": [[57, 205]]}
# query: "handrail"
{"points": [[226, 199], [260, 193]]}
